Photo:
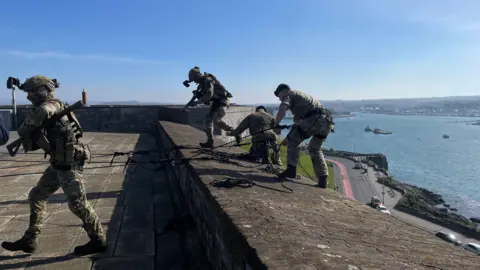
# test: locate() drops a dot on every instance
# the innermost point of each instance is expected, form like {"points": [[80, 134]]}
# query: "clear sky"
{"points": [[346, 49]]}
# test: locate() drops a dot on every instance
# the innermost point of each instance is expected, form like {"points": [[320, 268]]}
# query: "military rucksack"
{"points": [[218, 84]]}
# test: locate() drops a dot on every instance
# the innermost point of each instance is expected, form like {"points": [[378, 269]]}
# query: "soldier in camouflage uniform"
{"points": [[311, 119], [264, 144], [67, 158], [214, 93]]}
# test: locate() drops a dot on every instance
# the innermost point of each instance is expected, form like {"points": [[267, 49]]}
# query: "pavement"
{"points": [[364, 186], [135, 209]]}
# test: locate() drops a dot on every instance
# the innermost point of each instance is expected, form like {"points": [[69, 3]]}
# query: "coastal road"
{"points": [[364, 186], [360, 188]]}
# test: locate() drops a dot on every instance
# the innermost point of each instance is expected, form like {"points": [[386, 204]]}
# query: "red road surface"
{"points": [[346, 182]]}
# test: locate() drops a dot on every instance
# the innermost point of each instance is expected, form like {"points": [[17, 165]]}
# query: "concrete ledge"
{"points": [[266, 227]]}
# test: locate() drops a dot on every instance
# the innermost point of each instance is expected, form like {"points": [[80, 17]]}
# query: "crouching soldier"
{"points": [[213, 93], [260, 124], [311, 120]]}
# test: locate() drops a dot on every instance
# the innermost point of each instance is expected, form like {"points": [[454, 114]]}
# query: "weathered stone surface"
{"points": [[141, 118], [139, 263], [120, 206], [138, 218], [265, 226], [61, 263], [135, 243]]}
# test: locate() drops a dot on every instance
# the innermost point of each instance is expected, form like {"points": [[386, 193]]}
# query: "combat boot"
{"points": [[208, 144], [95, 245], [290, 172], [238, 139], [322, 181], [24, 244]]}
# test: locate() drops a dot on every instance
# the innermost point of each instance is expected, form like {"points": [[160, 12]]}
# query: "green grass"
{"points": [[305, 167]]}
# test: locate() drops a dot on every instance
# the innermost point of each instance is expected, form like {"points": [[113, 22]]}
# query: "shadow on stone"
{"points": [[21, 256], [22, 264], [60, 197]]}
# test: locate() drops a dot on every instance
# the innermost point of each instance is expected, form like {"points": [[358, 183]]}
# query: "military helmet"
{"points": [[281, 87], [260, 108], [193, 73], [33, 83]]}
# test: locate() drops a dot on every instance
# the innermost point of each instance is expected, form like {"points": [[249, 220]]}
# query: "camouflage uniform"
{"points": [[263, 143], [67, 157], [312, 120], [214, 93]]}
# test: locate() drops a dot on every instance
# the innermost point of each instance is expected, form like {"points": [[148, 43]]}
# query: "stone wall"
{"points": [[380, 160], [142, 118], [7, 117], [222, 242], [264, 226]]}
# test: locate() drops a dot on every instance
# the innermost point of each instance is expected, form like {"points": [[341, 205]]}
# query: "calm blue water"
{"points": [[418, 154]]}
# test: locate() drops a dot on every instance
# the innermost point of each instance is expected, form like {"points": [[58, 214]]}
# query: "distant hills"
{"points": [[328, 103]]}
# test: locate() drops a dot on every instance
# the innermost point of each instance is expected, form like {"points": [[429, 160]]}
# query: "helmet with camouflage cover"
{"points": [[194, 74], [36, 82], [39, 88]]}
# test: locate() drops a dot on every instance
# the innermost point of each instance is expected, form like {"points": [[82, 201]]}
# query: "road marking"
{"points": [[346, 182]]}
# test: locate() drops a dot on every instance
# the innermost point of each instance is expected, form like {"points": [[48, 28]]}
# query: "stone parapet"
{"points": [[142, 118], [268, 227]]}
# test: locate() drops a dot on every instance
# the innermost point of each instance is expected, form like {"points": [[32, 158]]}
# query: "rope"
{"points": [[245, 183]]}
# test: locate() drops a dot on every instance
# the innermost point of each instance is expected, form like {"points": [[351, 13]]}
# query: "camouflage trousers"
{"points": [[71, 183], [266, 149], [215, 117], [316, 127]]}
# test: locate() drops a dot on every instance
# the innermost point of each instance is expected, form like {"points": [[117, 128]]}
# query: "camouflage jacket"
{"points": [[300, 103], [212, 90], [61, 141], [256, 122]]}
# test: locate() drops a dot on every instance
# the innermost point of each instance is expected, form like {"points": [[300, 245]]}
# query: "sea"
{"points": [[418, 154]]}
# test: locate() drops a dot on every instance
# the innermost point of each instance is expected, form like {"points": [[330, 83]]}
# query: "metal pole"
{"points": [[14, 105], [383, 191]]}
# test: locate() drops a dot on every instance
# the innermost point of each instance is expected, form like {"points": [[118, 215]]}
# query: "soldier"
{"points": [[310, 119], [212, 91], [67, 158], [264, 143], [4, 132]]}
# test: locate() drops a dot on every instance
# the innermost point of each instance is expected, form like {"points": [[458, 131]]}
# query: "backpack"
{"points": [[218, 84]]}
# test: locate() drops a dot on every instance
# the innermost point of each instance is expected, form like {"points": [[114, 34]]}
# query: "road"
{"points": [[364, 186], [359, 185]]}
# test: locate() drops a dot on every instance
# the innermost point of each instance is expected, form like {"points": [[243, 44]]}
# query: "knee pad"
{"points": [[76, 206]]}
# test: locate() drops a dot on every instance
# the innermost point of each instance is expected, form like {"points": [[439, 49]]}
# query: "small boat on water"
{"points": [[378, 131], [445, 136], [368, 129]]}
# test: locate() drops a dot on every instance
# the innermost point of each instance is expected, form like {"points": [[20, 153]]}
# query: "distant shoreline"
{"points": [[431, 115], [334, 116]]}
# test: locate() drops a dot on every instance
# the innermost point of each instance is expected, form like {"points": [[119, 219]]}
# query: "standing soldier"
{"points": [[67, 158], [310, 119], [211, 91], [264, 141]]}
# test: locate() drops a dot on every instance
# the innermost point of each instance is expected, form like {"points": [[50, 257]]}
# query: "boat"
{"points": [[445, 136], [378, 131], [368, 129]]}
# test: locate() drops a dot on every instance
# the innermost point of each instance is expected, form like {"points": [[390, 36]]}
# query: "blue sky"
{"points": [[142, 50]]}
